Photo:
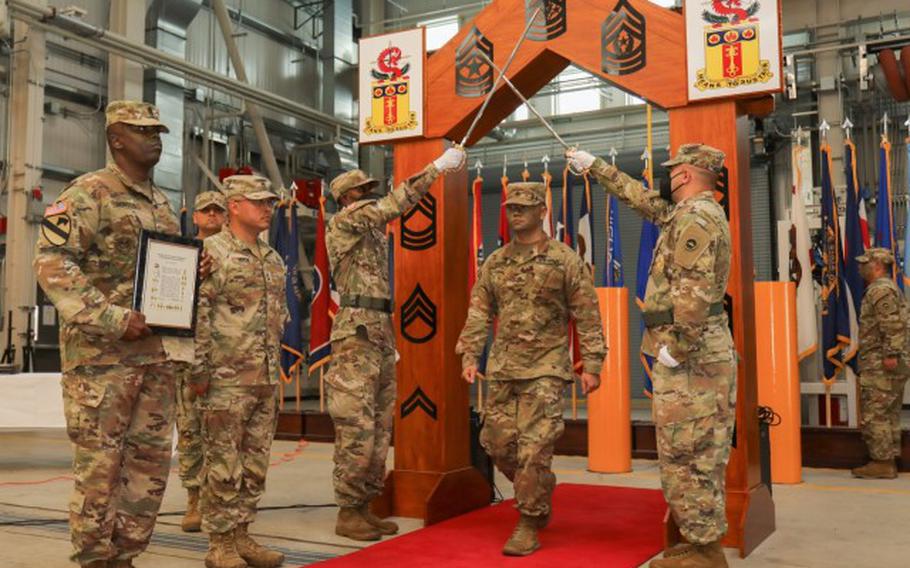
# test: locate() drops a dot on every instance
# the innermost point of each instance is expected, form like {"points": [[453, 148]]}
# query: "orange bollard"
{"points": [[609, 413], [778, 375]]}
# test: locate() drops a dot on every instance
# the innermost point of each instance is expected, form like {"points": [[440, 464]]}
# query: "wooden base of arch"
{"points": [[432, 496]]}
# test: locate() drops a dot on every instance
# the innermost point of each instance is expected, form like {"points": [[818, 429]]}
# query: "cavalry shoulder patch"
{"points": [[693, 241], [56, 228]]}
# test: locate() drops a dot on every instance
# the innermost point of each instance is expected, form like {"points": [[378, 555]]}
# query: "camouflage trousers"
{"points": [[238, 425], [189, 435], [694, 412], [119, 420], [522, 421], [881, 397], [361, 399]]}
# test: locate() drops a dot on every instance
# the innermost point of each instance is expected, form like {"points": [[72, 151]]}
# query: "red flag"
{"points": [[476, 232], [503, 220], [323, 306]]}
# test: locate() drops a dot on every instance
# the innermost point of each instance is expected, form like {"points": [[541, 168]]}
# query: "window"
{"points": [[578, 91], [439, 31], [521, 113]]}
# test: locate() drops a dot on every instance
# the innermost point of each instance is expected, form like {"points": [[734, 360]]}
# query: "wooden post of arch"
{"points": [[433, 478]]}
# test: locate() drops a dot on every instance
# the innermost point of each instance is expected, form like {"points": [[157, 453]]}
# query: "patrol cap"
{"points": [[250, 187], [348, 181], [526, 193], [698, 155], [207, 198], [136, 113], [876, 254]]}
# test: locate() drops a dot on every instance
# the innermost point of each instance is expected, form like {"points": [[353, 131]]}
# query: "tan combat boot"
{"points": [[254, 553], [352, 524], [385, 527], [524, 538], [692, 556], [192, 519], [223, 552], [95, 564], [128, 563], [876, 469]]}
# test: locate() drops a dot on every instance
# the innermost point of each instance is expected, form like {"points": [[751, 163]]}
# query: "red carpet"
{"points": [[592, 525]]}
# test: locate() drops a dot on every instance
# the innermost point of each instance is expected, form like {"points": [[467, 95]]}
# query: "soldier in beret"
{"points": [[534, 285], [208, 215], [687, 332], [884, 363], [241, 317], [361, 380], [119, 379]]}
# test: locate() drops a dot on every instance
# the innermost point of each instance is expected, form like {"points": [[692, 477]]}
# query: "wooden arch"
{"points": [[433, 478]]}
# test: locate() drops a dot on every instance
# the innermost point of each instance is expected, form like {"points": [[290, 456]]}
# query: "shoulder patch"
{"points": [[693, 241], [56, 228], [55, 209]]}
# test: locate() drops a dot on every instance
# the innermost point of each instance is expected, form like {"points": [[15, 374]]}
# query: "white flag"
{"points": [[800, 266]]}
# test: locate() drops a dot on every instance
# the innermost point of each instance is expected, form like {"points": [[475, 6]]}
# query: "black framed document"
{"points": [[167, 282]]}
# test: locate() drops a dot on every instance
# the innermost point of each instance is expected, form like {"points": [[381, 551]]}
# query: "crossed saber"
{"points": [[501, 77]]}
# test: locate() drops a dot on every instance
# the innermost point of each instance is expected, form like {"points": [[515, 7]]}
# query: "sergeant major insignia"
{"points": [[550, 23], [473, 75], [56, 225], [622, 40]]}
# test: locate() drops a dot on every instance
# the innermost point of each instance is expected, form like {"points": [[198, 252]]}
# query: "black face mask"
{"points": [[666, 189]]}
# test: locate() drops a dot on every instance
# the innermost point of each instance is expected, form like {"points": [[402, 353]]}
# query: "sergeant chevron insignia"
{"points": [[623, 40], [413, 238], [418, 317], [550, 23], [473, 75], [418, 399]]}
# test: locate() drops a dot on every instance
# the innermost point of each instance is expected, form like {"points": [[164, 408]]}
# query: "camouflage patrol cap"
{"points": [[207, 198], [526, 193], [250, 187], [136, 113], [877, 254], [698, 155], [348, 181]]}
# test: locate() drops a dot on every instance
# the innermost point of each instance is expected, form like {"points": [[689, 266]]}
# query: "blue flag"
{"points": [[649, 235], [287, 245], [837, 336], [884, 208], [907, 224], [853, 235], [613, 273]]}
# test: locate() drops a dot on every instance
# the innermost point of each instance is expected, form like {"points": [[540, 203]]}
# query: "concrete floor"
{"points": [[828, 521]]}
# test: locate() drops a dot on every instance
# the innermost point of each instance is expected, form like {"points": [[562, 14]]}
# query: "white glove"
{"points": [[451, 160], [579, 160], [666, 359]]}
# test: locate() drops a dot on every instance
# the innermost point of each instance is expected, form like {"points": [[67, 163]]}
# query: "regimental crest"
{"points": [[732, 47], [622, 40], [418, 317], [391, 94], [418, 226], [550, 23], [473, 75], [418, 399]]}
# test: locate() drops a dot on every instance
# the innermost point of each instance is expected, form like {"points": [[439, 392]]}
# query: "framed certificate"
{"points": [[167, 282]]}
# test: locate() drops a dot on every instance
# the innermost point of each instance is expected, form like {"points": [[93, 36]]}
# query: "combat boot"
{"points": [[95, 564], [385, 527], [524, 538], [876, 469], [223, 552], [116, 563], [543, 521], [192, 519], [254, 553], [692, 556], [352, 524]]}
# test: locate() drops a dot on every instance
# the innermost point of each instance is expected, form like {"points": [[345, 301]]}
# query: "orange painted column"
{"points": [[778, 375], [609, 413]]}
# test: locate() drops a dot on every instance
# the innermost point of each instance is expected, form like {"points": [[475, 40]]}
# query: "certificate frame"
{"points": [[167, 293]]}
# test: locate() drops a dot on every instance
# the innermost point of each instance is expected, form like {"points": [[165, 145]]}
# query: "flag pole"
{"points": [[321, 390], [650, 131]]}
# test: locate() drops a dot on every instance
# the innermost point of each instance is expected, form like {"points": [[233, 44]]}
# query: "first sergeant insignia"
{"points": [[623, 40], [56, 225], [550, 23], [473, 75]]}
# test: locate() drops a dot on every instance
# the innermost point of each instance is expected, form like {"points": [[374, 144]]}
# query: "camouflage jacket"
{"points": [[359, 255], [883, 332], [533, 290], [242, 312], [689, 271], [85, 261]]}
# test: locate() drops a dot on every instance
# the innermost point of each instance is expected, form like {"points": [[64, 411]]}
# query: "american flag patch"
{"points": [[55, 209]]}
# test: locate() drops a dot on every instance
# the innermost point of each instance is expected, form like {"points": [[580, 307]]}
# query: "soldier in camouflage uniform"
{"points": [[361, 379], [687, 331], [119, 379], [208, 216], [242, 313], [884, 363], [533, 285]]}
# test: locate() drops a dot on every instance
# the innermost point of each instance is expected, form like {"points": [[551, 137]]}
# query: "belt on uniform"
{"points": [[654, 319], [366, 302]]}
